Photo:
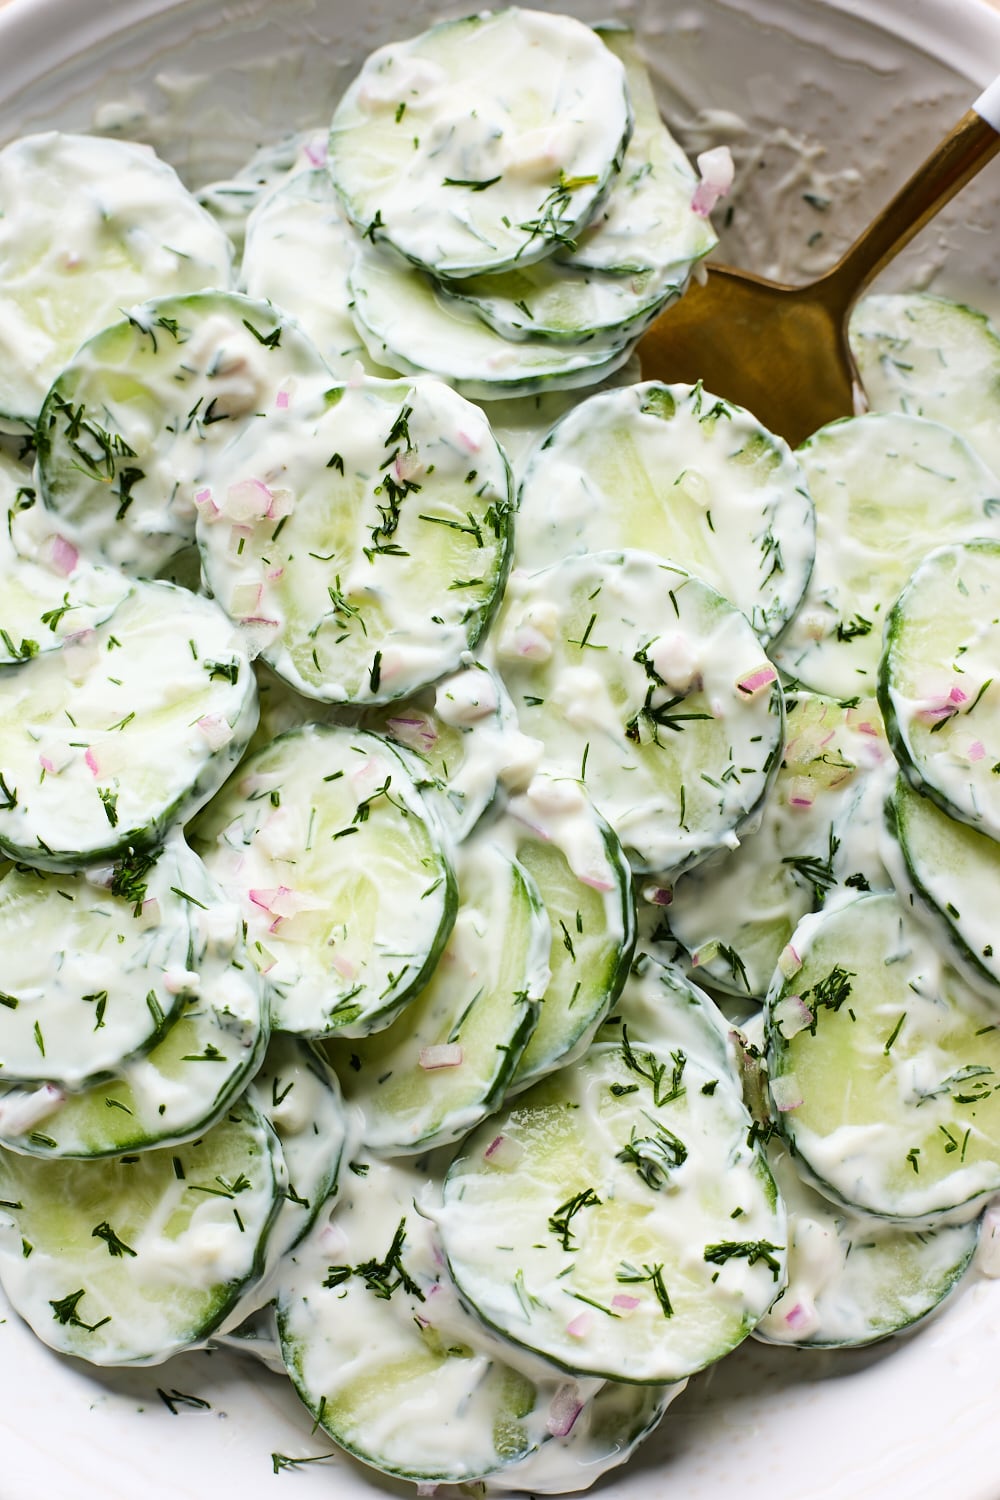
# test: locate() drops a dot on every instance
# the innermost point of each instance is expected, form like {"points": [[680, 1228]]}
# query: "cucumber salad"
{"points": [[497, 855]]}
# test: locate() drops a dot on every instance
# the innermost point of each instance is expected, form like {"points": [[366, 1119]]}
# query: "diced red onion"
{"points": [[792, 1015], [60, 554], [786, 1093], [442, 1055], [802, 792], [564, 1409], [417, 732], [752, 683], [216, 729], [578, 1327], [717, 172], [798, 1317], [90, 760]]}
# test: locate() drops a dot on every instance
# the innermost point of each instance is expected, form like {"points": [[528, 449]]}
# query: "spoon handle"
{"points": [[952, 163]]}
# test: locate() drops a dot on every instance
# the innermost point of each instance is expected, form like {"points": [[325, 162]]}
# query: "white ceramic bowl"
{"points": [[840, 97]]}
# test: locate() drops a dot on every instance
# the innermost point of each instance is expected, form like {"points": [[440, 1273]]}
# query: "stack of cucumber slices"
{"points": [[498, 855]]}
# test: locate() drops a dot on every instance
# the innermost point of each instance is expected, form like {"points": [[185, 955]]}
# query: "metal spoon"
{"points": [[782, 351]]}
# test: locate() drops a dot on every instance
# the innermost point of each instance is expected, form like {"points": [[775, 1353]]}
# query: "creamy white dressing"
{"points": [[87, 226], [392, 501], [151, 731], [340, 873], [468, 151], [577, 644], [573, 1460], [672, 470]]}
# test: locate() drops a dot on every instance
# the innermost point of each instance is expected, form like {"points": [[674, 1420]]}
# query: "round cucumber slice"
{"points": [[735, 914], [467, 151], [887, 489], [231, 200], [585, 881], [361, 544], [410, 322], [652, 690], [123, 434], [299, 1096], [48, 591], [884, 1064], [938, 685], [647, 221], [88, 225], [122, 733], [383, 1355], [126, 1262], [613, 1186], [549, 300], [853, 1279], [953, 870], [675, 471], [932, 358], [89, 976], [298, 254], [606, 1430], [207, 1057], [448, 1059], [465, 732], [341, 876]]}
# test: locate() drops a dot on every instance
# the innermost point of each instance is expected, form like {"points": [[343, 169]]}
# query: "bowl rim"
{"points": [[59, 30]]}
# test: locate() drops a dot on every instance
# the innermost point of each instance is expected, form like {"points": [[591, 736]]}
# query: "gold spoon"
{"points": [[782, 351]]}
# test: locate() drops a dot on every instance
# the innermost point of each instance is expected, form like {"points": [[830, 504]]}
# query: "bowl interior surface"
{"points": [[836, 99]]}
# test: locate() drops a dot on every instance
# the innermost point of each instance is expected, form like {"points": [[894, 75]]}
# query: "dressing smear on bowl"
{"points": [[511, 782]]}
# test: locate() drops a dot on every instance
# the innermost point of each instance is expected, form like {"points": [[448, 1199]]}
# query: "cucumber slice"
{"points": [[465, 732], [954, 870], [604, 1434], [123, 434], [90, 977], [383, 1355], [231, 200], [189, 1079], [884, 1065], [670, 1013], [565, 305], [853, 1279], [932, 358], [346, 929], [633, 258], [48, 592], [678, 472], [735, 914], [646, 222], [466, 150], [613, 1186], [125, 1262], [585, 881], [299, 1096], [650, 688], [409, 322], [106, 743], [460, 737], [256, 1336], [936, 681], [89, 225], [391, 501], [448, 1059], [887, 489], [520, 423], [298, 254]]}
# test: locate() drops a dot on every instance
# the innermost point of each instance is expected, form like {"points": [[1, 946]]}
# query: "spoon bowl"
{"points": [[782, 351]]}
